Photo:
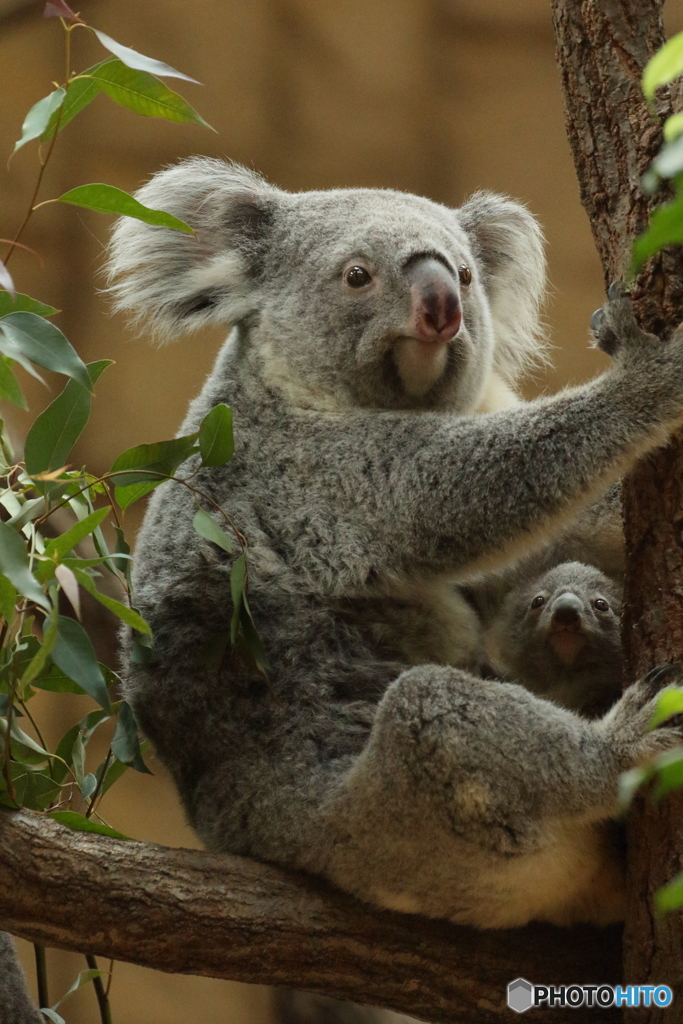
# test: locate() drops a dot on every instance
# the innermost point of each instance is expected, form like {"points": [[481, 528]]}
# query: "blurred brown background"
{"points": [[438, 97]]}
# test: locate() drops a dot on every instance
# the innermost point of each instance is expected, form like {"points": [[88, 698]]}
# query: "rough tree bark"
{"points": [[602, 47], [191, 912]]}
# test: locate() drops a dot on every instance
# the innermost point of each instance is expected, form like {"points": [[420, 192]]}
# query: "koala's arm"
{"points": [[443, 493]]}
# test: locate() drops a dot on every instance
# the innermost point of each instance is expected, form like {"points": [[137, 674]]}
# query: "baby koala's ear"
{"points": [[509, 246], [176, 281]]}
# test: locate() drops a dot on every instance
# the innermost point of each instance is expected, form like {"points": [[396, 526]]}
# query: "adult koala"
{"points": [[372, 331]]}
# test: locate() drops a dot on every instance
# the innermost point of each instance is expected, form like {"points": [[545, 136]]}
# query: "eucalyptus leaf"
{"points": [[145, 94], [148, 466], [14, 564], [9, 387], [80, 823], [8, 599], [209, 529], [24, 304], [54, 433], [216, 442], [125, 743], [665, 228], [133, 59], [60, 546], [126, 614], [82, 91], [84, 978], [670, 896], [664, 66], [73, 653], [38, 117], [669, 161], [6, 280], [44, 344], [669, 702], [108, 199]]}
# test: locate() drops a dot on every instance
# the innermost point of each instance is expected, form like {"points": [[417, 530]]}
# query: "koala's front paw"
{"points": [[614, 326], [627, 723]]}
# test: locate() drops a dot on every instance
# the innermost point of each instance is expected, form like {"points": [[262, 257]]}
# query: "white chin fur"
{"points": [[419, 364]]}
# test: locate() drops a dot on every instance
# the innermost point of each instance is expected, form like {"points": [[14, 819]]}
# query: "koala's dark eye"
{"points": [[601, 605], [538, 601], [357, 277], [465, 275]]}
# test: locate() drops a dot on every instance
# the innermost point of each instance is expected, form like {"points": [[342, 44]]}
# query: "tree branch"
{"points": [[190, 912], [602, 47]]}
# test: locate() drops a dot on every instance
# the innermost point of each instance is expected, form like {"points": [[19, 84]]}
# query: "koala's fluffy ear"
{"points": [[509, 245], [177, 282]]}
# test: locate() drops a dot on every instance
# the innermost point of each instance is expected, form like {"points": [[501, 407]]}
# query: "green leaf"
{"points": [[152, 464], [673, 126], [52, 1015], [60, 546], [669, 161], [237, 575], [122, 563], [33, 788], [664, 66], [126, 614], [8, 599], [73, 653], [125, 742], [44, 344], [252, 640], [670, 896], [57, 682], [141, 650], [39, 660], [78, 758], [207, 528], [668, 768], [629, 783], [133, 59], [215, 437], [9, 387], [145, 94], [108, 199], [669, 702], [55, 432], [38, 117], [14, 564], [84, 978], [665, 228], [82, 91], [80, 823], [24, 304]]}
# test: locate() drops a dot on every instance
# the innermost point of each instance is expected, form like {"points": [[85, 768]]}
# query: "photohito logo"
{"points": [[522, 995]]}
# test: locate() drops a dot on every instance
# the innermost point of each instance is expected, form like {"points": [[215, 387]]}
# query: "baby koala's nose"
{"points": [[436, 311], [566, 610]]}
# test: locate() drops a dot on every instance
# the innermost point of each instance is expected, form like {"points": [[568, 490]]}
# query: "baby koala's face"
{"points": [[559, 636]]}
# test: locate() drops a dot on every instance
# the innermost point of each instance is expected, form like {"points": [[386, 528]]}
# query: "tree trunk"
{"points": [[602, 47]]}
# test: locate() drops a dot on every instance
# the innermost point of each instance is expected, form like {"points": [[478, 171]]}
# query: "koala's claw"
{"points": [[597, 320], [667, 674]]}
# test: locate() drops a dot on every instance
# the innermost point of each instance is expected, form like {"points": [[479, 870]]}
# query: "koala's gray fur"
{"points": [[16, 1005], [406, 781], [558, 635]]}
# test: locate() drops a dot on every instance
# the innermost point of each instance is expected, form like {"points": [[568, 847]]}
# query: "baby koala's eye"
{"points": [[465, 275], [357, 277], [601, 605], [538, 601]]}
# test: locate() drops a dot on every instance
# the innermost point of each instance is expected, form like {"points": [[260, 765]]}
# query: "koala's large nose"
{"points": [[435, 305], [566, 611]]}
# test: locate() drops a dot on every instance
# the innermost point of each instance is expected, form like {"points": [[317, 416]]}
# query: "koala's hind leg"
{"points": [[477, 801]]}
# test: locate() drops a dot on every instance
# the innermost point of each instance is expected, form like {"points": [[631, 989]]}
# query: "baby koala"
{"points": [[558, 635]]}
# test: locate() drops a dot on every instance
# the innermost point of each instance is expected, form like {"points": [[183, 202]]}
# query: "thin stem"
{"points": [[98, 787], [111, 977], [102, 1000], [24, 707], [41, 975], [44, 162]]}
